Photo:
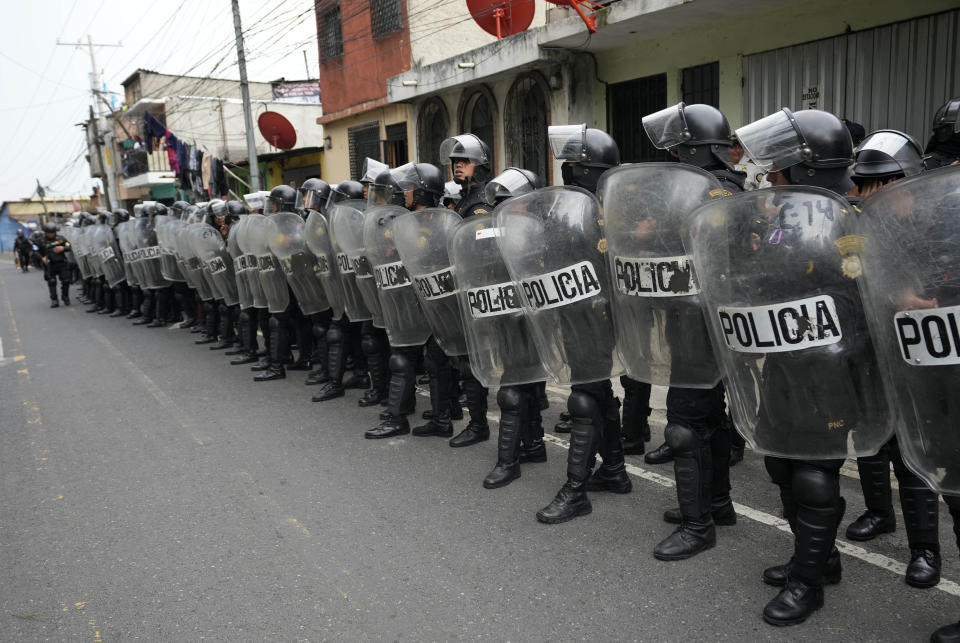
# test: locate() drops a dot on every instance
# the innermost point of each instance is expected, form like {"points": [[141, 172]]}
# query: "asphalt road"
{"points": [[152, 492]]}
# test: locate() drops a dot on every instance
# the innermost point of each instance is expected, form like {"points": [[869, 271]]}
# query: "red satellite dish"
{"points": [[277, 130], [502, 18], [593, 7]]}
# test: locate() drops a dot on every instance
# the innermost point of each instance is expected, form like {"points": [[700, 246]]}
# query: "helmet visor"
{"points": [[464, 146], [511, 182], [774, 143], [667, 128], [372, 168], [255, 201], [218, 208], [568, 142], [379, 194]]}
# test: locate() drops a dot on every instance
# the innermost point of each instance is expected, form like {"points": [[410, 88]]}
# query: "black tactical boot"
{"points": [[379, 381], [793, 604], [511, 401], [395, 425], [439, 423], [564, 424], [532, 448], [336, 354], [474, 433], [832, 572], [477, 429], [692, 467], [879, 518], [612, 474], [661, 455], [572, 501], [921, 518], [947, 634], [279, 348]]}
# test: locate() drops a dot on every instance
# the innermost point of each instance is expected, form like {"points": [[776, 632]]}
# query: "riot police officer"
{"points": [[52, 248], [697, 433], [23, 248], [471, 164], [818, 151], [943, 147], [182, 293]]}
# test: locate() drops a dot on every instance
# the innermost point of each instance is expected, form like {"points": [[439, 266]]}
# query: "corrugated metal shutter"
{"points": [[894, 76]]}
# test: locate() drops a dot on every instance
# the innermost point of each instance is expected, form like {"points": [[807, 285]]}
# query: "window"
{"points": [[477, 116], [628, 103], [432, 128], [331, 37], [526, 117], [395, 147], [386, 16], [701, 84], [364, 141]]}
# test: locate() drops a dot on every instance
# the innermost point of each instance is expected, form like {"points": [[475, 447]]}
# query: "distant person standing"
{"points": [[22, 247], [52, 248]]}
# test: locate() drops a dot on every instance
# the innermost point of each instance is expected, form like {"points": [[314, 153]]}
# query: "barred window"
{"points": [[331, 36], [386, 16]]}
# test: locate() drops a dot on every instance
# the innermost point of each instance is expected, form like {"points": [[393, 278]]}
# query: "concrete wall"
{"points": [[275, 167], [153, 85], [336, 161], [727, 41], [460, 33]]}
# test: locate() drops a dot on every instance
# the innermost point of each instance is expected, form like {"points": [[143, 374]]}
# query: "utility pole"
{"points": [[306, 64], [43, 202], [245, 95], [95, 91]]}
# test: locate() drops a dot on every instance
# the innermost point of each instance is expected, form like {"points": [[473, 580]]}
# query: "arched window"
{"points": [[432, 128], [478, 115], [526, 117]]}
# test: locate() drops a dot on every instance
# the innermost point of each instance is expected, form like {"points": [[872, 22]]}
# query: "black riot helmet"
{"points": [[513, 181], [946, 123], [122, 215], [471, 148], [178, 207], [384, 190], [345, 190], [809, 147], [313, 195], [698, 134], [586, 153], [228, 213], [283, 198], [887, 154], [236, 209], [87, 219], [422, 184], [50, 227], [102, 216], [151, 209]]}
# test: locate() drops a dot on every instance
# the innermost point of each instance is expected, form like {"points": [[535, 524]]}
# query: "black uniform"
{"points": [[57, 266], [22, 246]]}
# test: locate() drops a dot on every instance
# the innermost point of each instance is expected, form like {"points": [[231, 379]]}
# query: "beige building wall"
{"points": [[336, 159]]}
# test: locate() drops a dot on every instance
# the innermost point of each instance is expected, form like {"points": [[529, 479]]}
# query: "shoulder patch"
{"points": [[480, 211], [720, 192]]}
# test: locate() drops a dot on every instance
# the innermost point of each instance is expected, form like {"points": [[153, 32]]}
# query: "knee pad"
{"points": [[779, 469], [275, 323], [335, 335], [319, 330], [369, 345], [816, 487], [510, 399], [681, 438], [582, 405], [400, 363]]}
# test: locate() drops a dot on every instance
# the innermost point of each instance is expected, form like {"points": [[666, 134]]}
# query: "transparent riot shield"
{"points": [[402, 317], [777, 273], [173, 230], [346, 232], [908, 240], [317, 237], [126, 237], [192, 264], [208, 244], [259, 231], [250, 264], [552, 242], [79, 245], [240, 267], [661, 334], [169, 265], [499, 339], [149, 253], [104, 244], [299, 265], [421, 239]]}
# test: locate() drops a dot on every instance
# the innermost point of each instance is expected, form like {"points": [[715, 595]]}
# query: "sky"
{"points": [[45, 88]]}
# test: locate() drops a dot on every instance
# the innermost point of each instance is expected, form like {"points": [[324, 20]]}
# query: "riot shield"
{"points": [[104, 244], [149, 253], [662, 337], [248, 261], [402, 317], [346, 230], [348, 235], [910, 238], [299, 265], [79, 245], [552, 242], [169, 265], [193, 264], [778, 277], [173, 230], [499, 341], [258, 233], [126, 237], [93, 249], [421, 239], [207, 243], [240, 267], [317, 237]]}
